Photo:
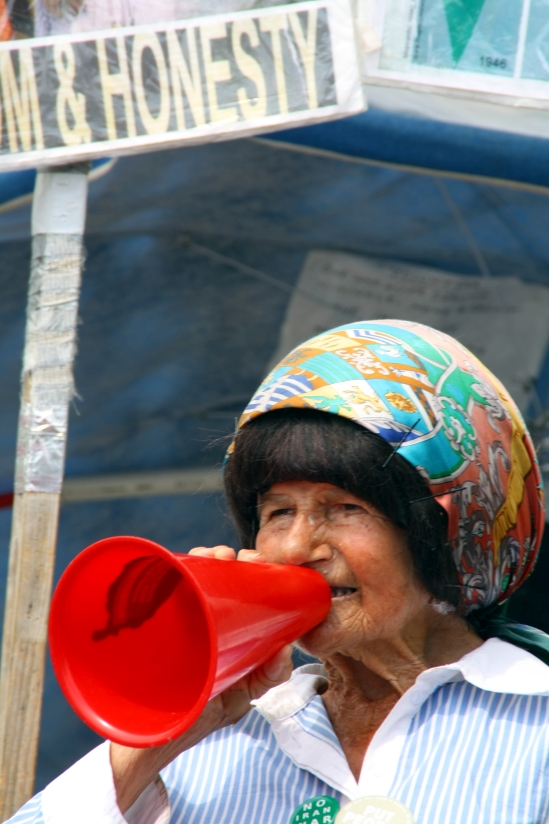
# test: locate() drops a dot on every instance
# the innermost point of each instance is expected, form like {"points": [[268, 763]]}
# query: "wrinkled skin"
{"points": [[380, 633]]}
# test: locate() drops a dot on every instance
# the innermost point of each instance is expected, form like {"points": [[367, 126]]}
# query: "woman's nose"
{"points": [[305, 541]]}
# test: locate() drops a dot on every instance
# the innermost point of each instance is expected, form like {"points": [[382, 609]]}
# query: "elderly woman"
{"points": [[386, 457]]}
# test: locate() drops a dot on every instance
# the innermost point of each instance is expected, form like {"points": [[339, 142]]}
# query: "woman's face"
{"points": [[361, 553]]}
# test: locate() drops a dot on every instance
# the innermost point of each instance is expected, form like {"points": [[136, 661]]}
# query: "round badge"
{"points": [[375, 809], [322, 809]]}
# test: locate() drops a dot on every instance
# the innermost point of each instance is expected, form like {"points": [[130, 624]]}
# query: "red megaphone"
{"points": [[141, 638]]}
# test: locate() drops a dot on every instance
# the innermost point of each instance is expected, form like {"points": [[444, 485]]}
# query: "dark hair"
{"points": [[300, 444]]}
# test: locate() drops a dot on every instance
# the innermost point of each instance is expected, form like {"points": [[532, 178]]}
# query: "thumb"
{"points": [[276, 670]]}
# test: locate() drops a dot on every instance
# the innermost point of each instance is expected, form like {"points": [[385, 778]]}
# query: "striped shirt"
{"points": [[468, 743]]}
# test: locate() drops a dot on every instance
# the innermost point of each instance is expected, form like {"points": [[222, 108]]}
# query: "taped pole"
{"points": [[58, 218]]}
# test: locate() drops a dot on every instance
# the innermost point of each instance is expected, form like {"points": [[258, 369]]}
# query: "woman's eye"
{"points": [[277, 513], [273, 515], [346, 508], [345, 512]]}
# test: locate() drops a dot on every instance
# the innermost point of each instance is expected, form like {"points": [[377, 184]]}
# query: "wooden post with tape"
{"points": [[58, 218]]}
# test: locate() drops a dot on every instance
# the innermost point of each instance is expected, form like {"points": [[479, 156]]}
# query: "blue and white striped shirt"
{"points": [[467, 744]]}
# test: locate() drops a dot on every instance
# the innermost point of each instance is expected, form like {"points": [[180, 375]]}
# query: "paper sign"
{"points": [[77, 96], [501, 320], [485, 47]]}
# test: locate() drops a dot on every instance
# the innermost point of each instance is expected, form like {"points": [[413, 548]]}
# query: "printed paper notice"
{"points": [[501, 320], [499, 47]]}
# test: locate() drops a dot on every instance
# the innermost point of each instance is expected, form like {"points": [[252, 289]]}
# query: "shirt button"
{"points": [[418, 698]]}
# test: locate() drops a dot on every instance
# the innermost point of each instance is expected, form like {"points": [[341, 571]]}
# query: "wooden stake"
{"points": [[59, 208]]}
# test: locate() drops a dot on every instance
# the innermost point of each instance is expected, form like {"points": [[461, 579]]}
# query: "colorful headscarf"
{"points": [[422, 391]]}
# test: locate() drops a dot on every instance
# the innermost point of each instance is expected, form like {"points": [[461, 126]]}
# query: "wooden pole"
{"points": [[58, 217]]}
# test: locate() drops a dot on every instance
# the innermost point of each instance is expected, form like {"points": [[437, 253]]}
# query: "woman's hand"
{"points": [[134, 769], [236, 699], [227, 553]]}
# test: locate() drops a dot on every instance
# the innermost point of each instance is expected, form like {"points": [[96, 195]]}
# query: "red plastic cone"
{"points": [[141, 638]]}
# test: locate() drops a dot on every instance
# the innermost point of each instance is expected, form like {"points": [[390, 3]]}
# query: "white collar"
{"points": [[496, 666]]}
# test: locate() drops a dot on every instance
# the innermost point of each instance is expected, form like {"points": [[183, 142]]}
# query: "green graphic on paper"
{"points": [[430, 40], [468, 35], [462, 17]]}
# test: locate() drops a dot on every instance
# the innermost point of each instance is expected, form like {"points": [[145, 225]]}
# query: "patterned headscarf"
{"points": [[423, 392]]}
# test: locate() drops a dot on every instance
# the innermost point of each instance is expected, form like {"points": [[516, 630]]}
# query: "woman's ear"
{"points": [[442, 607]]}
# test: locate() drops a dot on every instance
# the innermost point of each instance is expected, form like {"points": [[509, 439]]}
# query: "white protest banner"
{"points": [[502, 320], [494, 50], [80, 95]]}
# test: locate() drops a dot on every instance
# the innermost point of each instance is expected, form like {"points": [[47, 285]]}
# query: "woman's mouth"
{"points": [[342, 592]]}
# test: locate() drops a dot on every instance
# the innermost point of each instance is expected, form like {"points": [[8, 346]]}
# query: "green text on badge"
{"points": [[322, 809]]}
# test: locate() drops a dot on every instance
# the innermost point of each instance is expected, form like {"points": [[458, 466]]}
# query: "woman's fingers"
{"points": [[227, 553], [220, 553], [251, 555]]}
